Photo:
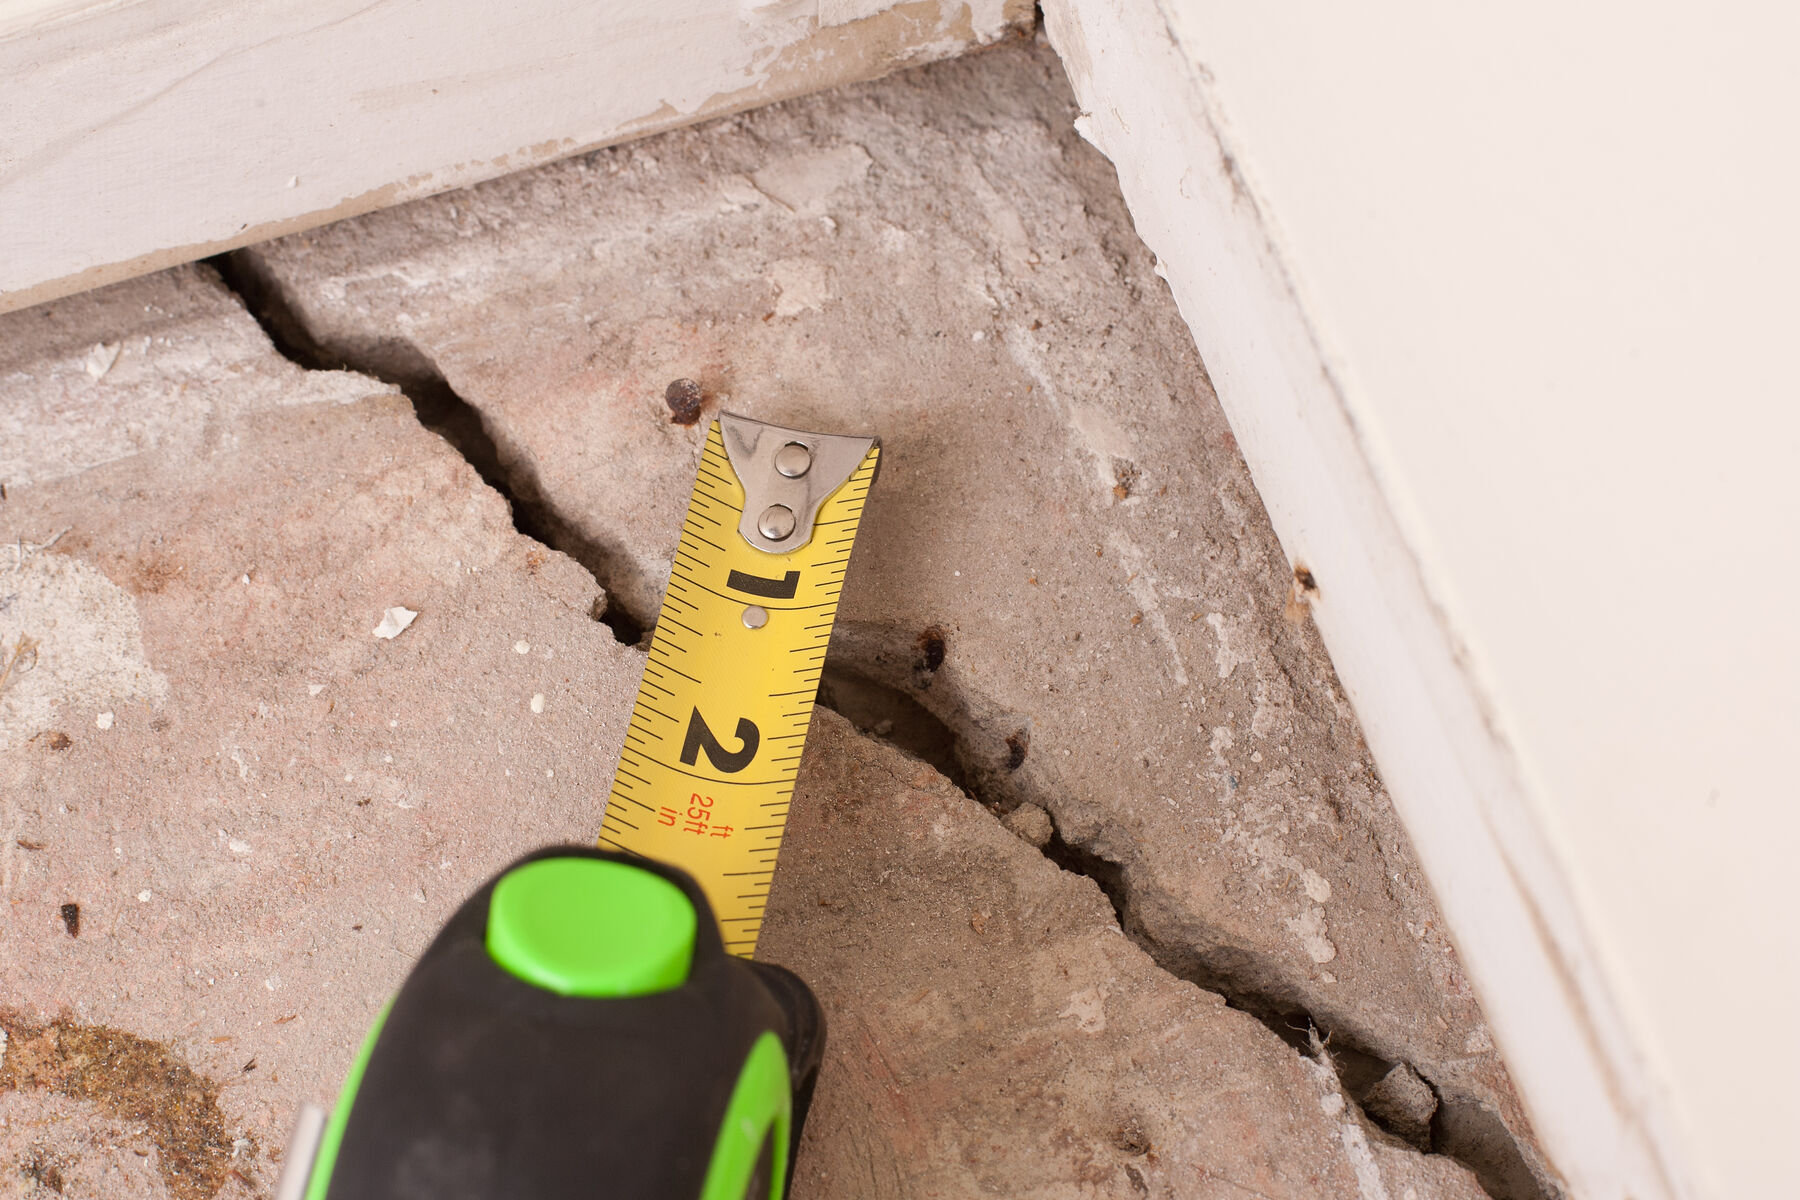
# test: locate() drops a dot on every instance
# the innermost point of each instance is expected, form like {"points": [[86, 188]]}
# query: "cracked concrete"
{"points": [[258, 849], [940, 259], [1066, 597], [994, 1034]]}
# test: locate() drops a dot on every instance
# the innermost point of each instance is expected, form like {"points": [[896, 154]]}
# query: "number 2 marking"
{"points": [[700, 737]]}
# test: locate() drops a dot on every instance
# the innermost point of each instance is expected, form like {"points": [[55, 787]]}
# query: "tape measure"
{"points": [[721, 716], [582, 1022]]}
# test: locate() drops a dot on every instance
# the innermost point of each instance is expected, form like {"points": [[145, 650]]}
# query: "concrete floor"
{"points": [[1093, 872]]}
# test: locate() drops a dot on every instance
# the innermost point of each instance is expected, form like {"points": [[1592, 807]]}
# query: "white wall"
{"points": [[1502, 302]]}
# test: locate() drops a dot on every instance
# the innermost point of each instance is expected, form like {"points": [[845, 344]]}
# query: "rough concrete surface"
{"points": [[994, 1033], [1066, 563], [260, 843], [1066, 596]]}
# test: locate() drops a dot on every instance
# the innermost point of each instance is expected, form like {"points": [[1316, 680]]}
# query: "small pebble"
{"points": [[104, 720], [521, 647], [100, 359], [1403, 1104], [394, 622], [683, 396], [537, 703], [1031, 823], [144, 896]]}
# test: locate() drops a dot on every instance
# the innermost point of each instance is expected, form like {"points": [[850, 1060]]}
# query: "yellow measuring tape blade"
{"points": [[715, 739]]}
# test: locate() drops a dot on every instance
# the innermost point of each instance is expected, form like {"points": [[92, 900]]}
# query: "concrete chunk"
{"points": [[1403, 1104], [992, 1033]]}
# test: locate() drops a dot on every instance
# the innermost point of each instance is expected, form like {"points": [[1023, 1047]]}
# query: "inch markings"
{"points": [[716, 735]]}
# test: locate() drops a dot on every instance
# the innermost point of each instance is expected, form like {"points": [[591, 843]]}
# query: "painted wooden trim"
{"points": [[136, 135], [1456, 781]]}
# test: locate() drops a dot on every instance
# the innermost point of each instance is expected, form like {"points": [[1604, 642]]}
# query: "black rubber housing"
{"points": [[482, 1086]]}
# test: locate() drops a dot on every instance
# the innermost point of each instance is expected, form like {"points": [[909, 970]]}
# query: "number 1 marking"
{"points": [[759, 585]]}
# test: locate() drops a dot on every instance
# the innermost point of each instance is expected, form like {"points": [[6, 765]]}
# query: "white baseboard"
{"points": [[1454, 778], [136, 135]]}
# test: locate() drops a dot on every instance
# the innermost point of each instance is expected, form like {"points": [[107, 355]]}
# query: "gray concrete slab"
{"points": [[1067, 598], [1066, 592]]}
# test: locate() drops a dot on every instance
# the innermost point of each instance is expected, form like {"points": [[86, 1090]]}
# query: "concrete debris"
{"points": [[99, 360], [1031, 823], [394, 622], [1403, 1104]]}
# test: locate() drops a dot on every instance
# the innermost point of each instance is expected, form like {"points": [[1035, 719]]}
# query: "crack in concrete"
{"points": [[966, 741], [398, 361], [890, 684]]}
